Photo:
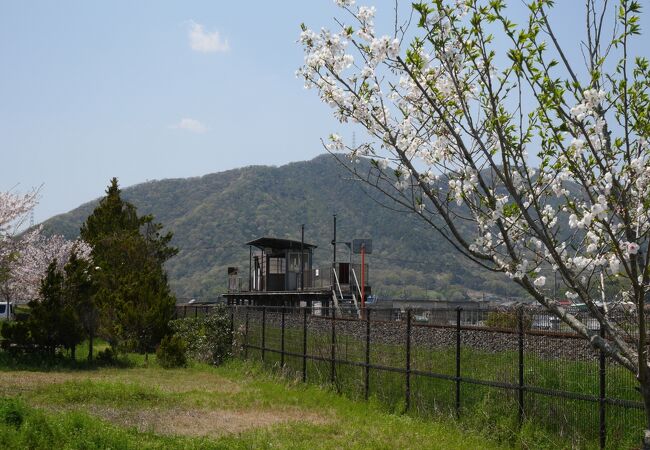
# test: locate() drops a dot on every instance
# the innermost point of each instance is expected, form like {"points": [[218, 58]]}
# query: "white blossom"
{"points": [[571, 295], [540, 281], [447, 112], [632, 248], [35, 253]]}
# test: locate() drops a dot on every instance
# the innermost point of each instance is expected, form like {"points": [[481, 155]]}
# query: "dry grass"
{"points": [[175, 419], [202, 422], [177, 381]]}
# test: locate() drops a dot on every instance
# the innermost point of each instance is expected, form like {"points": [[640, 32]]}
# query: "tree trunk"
{"points": [[90, 346], [73, 352], [645, 392]]}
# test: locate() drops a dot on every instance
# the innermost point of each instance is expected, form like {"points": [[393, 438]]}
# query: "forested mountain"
{"points": [[214, 215]]}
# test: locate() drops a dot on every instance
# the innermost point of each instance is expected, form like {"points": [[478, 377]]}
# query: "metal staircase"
{"points": [[344, 298]]}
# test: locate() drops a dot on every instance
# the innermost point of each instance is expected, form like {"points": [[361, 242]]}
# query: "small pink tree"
{"points": [[35, 252], [24, 259], [14, 209]]}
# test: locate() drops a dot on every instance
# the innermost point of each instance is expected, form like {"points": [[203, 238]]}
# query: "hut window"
{"points": [[276, 265], [294, 261]]}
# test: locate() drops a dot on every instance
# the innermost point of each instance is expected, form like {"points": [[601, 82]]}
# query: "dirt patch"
{"points": [[198, 422], [176, 420], [15, 382], [174, 381]]}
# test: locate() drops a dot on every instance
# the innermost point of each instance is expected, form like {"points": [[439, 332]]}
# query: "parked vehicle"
{"points": [[6, 311]]}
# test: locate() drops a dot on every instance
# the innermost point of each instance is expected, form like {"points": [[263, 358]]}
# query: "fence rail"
{"points": [[404, 361]]}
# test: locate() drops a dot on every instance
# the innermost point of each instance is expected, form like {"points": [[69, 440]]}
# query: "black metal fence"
{"points": [[518, 365]]}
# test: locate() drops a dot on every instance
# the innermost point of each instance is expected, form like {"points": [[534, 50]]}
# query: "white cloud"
{"points": [[206, 42], [191, 125]]}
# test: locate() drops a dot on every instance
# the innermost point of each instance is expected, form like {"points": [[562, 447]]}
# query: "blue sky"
{"points": [[92, 90]]}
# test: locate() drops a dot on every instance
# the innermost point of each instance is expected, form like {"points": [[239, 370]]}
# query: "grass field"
{"points": [[56, 404], [551, 422]]}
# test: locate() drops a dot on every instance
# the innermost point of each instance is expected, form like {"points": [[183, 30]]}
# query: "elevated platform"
{"points": [[280, 298]]}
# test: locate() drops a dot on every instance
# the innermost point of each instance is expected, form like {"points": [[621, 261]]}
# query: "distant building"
{"points": [[275, 266], [281, 273]]}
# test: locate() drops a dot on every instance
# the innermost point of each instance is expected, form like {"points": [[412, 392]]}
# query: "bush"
{"points": [[208, 338], [172, 352], [507, 320], [16, 333], [11, 413], [107, 355]]}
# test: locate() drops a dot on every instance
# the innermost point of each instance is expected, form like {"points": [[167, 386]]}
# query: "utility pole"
{"points": [[363, 277], [334, 242], [302, 253]]}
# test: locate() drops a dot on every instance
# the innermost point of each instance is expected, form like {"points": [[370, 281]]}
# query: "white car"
{"points": [[6, 310]]}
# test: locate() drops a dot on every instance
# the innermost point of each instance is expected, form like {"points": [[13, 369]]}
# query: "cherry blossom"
{"points": [[35, 253], [24, 259], [522, 161]]}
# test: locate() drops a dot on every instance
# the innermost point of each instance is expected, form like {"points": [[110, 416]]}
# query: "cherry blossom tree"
{"points": [[24, 259], [35, 252], [526, 159], [14, 209]]}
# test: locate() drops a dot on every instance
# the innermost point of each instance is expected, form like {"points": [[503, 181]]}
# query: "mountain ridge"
{"points": [[213, 215]]}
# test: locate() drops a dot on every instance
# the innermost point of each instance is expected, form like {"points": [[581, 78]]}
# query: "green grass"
{"points": [[75, 404], [66, 408], [551, 422]]}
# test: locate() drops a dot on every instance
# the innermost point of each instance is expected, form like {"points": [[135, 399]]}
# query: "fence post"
{"points": [[602, 397], [333, 348], [196, 311], [232, 327], [263, 332], [246, 335], [367, 367], [282, 340], [408, 361], [520, 345], [458, 311], [304, 345]]}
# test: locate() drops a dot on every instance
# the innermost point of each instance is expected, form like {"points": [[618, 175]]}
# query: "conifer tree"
{"points": [[53, 321], [133, 294], [79, 291]]}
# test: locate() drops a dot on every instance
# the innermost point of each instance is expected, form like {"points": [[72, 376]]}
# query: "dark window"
{"points": [[276, 265], [294, 262]]}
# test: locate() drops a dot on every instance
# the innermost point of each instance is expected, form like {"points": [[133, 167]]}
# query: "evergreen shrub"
{"points": [[172, 352]]}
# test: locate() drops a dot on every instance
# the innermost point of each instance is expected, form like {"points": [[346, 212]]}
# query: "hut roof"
{"points": [[278, 244]]}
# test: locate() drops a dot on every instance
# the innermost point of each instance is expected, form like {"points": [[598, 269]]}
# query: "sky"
{"points": [[150, 90], [146, 89]]}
